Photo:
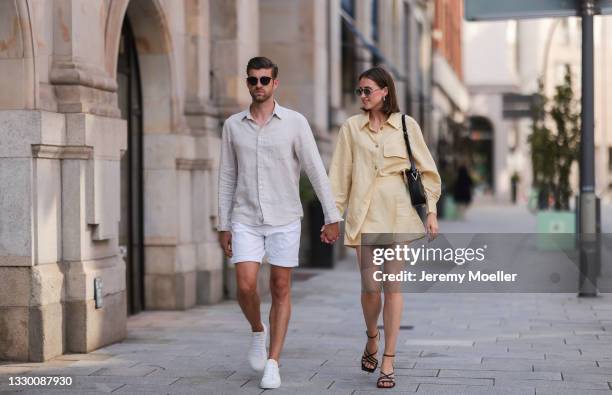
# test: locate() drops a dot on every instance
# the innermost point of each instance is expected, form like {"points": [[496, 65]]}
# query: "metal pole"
{"points": [[588, 237]]}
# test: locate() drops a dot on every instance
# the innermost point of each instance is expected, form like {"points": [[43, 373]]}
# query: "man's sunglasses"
{"points": [[366, 91], [264, 80]]}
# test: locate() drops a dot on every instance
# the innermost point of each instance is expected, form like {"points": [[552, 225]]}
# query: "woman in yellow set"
{"points": [[366, 177]]}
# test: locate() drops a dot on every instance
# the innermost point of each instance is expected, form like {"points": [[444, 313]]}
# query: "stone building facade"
{"points": [[450, 99], [110, 119]]}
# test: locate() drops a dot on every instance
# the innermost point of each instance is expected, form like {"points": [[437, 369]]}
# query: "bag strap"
{"points": [[412, 166]]}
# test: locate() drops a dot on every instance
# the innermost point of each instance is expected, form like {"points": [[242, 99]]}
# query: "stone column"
{"points": [[363, 20], [234, 42], [200, 170], [90, 217], [90, 179], [334, 51], [31, 273], [301, 54]]}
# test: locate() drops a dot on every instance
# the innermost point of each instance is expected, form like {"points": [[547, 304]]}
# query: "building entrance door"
{"points": [[131, 225]]}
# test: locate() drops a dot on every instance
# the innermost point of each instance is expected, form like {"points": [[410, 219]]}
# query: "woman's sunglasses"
{"points": [[366, 91], [264, 80]]}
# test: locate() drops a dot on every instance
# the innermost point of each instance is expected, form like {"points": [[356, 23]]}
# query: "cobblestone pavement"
{"points": [[449, 344]]}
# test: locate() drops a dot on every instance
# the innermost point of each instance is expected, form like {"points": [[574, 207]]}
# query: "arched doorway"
{"points": [[131, 232]]}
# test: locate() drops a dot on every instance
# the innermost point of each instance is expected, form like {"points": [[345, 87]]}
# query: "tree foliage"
{"points": [[555, 141]]}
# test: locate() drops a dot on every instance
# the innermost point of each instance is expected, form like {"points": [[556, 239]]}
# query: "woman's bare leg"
{"points": [[371, 302]]}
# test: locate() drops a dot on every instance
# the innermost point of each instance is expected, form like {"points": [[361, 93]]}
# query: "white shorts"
{"points": [[280, 243]]}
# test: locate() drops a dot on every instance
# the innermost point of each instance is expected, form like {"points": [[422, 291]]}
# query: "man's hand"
{"points": [[330, 233], [432, 225], [225, 241]]}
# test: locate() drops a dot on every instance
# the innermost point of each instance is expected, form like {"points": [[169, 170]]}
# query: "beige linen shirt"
{"points": [[362, 155], [259, 170]]}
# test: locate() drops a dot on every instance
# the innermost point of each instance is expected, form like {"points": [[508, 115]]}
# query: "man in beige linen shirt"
{"points": [[263, 150]]}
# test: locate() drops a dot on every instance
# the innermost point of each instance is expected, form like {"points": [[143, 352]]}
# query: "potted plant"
{"points": [[313, 253], [554, 142]]}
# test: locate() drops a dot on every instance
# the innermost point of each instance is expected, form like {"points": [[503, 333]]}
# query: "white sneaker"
{"points": [[271, 376], [258, 353]]}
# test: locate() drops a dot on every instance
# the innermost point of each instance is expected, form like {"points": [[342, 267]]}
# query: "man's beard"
{"points": [[260, 99]]}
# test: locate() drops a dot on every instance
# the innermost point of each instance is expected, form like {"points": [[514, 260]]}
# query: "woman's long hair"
{"points": [[383, 79]]}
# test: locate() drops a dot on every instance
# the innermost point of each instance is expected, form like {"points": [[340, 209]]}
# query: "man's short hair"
{"points": [[261, 62]]}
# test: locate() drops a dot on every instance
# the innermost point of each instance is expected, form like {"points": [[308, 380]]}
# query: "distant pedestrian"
{"points": [[463, 190], [263, 149], [367, 179]]}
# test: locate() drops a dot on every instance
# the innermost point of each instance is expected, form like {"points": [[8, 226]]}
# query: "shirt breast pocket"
{"points": [[280, 150], [395, 149]]}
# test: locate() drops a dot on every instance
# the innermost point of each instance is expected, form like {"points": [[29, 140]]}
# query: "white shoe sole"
{"points": [[268, 386], [272, 379]]}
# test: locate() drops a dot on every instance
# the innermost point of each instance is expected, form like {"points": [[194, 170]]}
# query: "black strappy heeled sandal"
{"points": [[369, 358], [386, 378]]}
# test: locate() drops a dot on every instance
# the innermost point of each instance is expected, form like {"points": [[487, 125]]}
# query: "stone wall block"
{"points": [[16, 209]]}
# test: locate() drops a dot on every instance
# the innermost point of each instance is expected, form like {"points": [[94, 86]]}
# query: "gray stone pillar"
{"points": [[201, 172], [31, 274], [294, 35], [234, 42]]}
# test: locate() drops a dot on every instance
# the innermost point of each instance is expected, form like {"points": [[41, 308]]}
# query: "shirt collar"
{"points": [[365, 119], [395, 120], [279, 111]]}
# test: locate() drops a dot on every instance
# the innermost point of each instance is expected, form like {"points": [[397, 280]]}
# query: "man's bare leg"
{"points": [[248, 298], [280, 312]]}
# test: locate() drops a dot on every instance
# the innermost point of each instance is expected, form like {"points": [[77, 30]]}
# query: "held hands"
{"points": [[330, 233], [432, 225], [225, 241]]}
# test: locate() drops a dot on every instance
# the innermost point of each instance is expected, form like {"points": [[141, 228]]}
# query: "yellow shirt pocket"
{"points": [[395, 149]]}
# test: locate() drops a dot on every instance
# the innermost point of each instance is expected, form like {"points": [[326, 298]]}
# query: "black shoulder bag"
{"points": [[412, 176]]}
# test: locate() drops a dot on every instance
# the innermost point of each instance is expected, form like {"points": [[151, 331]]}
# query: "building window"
{"points": [[420, 79], [348, 6], [349, 64], [407, 45], [376, 61], [375, 32]]}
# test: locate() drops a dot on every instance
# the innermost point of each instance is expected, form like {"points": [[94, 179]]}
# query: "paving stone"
{"points": [[13, 370], [74, 388], [589, 370], [85, 357], [138, 371], [66, 371], [213, 389], [126, 380], [558, 365], [552, 384], [445, 389], [496, 374], [587, 377], [571, 392]]}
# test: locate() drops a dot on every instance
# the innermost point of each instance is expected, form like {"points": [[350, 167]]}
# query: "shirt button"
{"points": [[375, 167], [376, 145]]}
